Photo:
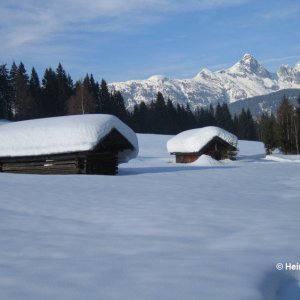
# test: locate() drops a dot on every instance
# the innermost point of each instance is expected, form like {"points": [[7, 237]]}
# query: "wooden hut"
{"points": [[189, 145], [83, 144]]}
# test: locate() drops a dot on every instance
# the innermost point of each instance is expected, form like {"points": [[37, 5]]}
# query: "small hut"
{"points": [[216, 142], [81, 144]]}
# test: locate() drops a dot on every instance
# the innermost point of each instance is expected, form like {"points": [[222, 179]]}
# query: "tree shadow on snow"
{"points": [[166, 169]]}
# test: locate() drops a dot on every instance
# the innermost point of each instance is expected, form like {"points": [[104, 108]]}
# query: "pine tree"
{"points": [[5, 94], [246, 126], [64, 90], [105, 105], [171, 124], [12, 84], [235, 124], [285, 114], [24, 105], [95, 90], [119, 109], [268, 130], [223, 117], [49, 94], [140, 118], [36, 91]]}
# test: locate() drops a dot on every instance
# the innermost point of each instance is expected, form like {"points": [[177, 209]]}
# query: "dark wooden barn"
{"points": [[106, 150], [189, 145]]}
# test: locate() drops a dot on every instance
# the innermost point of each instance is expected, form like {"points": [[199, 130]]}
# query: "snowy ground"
{"points": [[159, 230]]}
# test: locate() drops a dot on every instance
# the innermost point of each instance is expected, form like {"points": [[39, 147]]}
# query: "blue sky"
{"points": [[121, 40]]}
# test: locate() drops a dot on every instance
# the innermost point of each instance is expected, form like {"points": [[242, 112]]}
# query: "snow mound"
{"points": [[284, 158], [62, 134], [206, 161], [194, 140]]}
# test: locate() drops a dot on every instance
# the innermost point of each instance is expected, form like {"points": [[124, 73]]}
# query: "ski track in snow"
{"points": [[159, 230]]}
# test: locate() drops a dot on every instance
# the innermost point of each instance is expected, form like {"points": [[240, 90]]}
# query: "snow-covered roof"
{"points": [[62, 134], [191, 141]]}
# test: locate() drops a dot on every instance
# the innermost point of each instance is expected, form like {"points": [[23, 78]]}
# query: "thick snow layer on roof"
{"points": [[194, 140], [62, 134]]}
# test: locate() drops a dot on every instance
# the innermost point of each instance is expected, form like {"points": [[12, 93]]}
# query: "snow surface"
{"points": [[284, 158], [159, 230], [194, 140], [62, 134], [3, 121]]}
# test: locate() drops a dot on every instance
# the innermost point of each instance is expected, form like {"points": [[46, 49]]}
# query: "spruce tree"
{"points": [[285, 114], [24, 105], [268, 131], [95, 90], [105, 106], [5, 94], [12, 84], [119, 109], [64, 90], [223, 117], [171, 124], [36, 91], [49, 94]]}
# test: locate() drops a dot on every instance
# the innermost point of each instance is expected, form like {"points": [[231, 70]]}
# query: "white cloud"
{"points": [[281, 59], [33, 21], [283, 14]]}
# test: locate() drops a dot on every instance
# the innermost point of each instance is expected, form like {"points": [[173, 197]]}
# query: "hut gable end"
{"points": [[114, 141]]}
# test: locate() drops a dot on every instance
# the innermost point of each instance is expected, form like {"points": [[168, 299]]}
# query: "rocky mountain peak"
{"points": [[249, 65]]}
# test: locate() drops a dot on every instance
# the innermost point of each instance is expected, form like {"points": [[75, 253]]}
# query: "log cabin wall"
{"points": [[102, 160], [105, 163]]}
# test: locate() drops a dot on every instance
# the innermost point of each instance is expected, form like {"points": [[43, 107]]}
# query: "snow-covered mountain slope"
{"points": [[266, 103], [247, 78]]}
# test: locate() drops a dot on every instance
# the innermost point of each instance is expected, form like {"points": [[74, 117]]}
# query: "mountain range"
{"points": [[245, 79]]}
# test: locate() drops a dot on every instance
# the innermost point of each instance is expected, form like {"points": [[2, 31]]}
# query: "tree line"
{"points": [[281, 130], [24, 96], [162, 116]]}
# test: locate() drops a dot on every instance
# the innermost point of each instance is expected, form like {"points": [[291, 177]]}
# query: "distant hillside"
{"points": [[265, 103]]}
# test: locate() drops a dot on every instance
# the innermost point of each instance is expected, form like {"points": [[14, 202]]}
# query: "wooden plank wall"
{"points": [[105, 163]]}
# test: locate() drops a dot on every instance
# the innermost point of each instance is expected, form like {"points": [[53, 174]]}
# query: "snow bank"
{"points": [[206, 161], [195, 139], [284, 158], [62, 134]]}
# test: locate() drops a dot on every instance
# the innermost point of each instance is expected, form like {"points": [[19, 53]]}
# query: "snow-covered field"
{"points": [[209, 230]]}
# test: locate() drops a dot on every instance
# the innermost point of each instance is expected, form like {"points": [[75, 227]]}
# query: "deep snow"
{"points": [[159, 230]]}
